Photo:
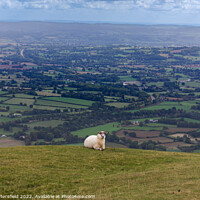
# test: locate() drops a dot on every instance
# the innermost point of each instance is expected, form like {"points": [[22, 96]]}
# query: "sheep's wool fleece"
{"points": [[90, 141]]}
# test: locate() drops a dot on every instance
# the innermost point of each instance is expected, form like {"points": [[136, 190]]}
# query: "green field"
{"points": [[3, 92], [43, 107], [93, 130], [26, 96], [14, 108], [109, 175], [185, 105], [117, 126], [127, 78], [57, 104], [70, 100], [6, 119], [158, 84], [3, 98], [191, 120], [118, 104], [10, 133], [20, 100]]}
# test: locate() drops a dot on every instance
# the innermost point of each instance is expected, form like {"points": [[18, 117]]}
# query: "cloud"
{"points": [[167, 5]]}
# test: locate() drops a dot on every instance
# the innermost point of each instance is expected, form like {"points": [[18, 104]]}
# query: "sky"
{"points": [[111, 11]]}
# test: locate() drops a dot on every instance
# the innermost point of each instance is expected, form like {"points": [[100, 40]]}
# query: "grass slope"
{"points": [[111, 174]]}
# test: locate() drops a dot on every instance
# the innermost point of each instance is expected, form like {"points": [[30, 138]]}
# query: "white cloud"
{"points": [[9, 4], [168, 5]]}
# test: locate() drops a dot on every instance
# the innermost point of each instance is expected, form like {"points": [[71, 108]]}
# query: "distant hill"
{"points": [[99, 34], [110, 174]]}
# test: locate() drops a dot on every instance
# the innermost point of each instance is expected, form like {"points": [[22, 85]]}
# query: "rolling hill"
{"points": [[110, 174], [99, 34]]}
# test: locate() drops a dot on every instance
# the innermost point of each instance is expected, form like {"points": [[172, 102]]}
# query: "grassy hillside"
{"points": [[110, 174]]}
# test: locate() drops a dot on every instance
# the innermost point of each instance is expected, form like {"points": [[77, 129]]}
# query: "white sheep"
{"points": [[96, 141]]}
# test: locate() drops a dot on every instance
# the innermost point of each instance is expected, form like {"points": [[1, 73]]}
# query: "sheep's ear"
{"points": [[99, 132]]}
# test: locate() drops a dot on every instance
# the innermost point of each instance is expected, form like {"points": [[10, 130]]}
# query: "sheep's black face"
{"points": [[101, 136]]}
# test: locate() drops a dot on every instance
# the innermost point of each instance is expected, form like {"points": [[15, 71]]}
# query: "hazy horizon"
{"points": [[102, 22], [175, 12]]}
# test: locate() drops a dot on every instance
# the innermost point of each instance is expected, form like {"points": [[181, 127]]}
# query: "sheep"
{"points": [[96, 141]]}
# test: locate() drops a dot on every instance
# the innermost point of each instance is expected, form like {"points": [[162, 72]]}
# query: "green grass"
{"points": [[118, 104], [185, 105], [191, 120], [109, 100], [4, 113], [127, 78], [192, 84], [70, 88], [114, 127], [43, 107], [158, 84], [47, 93], [26, 96], [20, 100], [57, 104], [7, 119], [3, 98], [71, 100], [93, 130], [109, 175], [75, 144], [14, 108], [9, 133], [3, 92]]}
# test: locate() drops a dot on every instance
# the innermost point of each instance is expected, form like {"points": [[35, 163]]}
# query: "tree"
{"points": [[49, 137], [27, 140], [132, 134], [33, 136], [134, 145]]}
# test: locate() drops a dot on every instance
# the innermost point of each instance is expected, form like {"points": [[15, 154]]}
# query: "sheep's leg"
{"points": [[96, 147], [99, 147]]}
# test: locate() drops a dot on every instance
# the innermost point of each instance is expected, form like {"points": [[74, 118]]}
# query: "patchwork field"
{"points": [[166, 141]]}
